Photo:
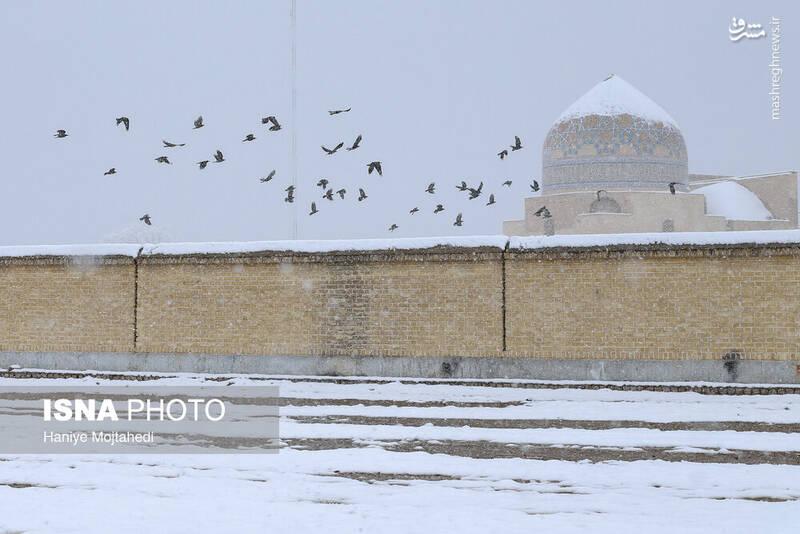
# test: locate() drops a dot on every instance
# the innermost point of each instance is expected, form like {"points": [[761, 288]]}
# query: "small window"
{"points": [[668, 226], [605, 205]]}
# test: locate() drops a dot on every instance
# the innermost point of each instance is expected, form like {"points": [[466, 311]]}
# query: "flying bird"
{"points": [[491, 200], [271, 119], [329, 151], [163, 159], [269, 176], [393, 227], [355, 143], [290, 194], [431, 188], [167, 144], [374, 166], [341, 193], [198, 122], [323, 183], [337, 111], [328, 194], [517, 144], [60, 133], [503, 153], [672, 187], [361, 194], [414, 210], [458, 220], [203, 163], [219, 157], [543, 212], [463, 186], [290, 189], [146, 219], [535, 186], [124, 120], [112, 170], [313, 208], [250, 137], [475, 193], [507, 182], [438, 208]]}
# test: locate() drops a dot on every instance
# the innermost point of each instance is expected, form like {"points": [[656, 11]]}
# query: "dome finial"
{"points": [[609, 77]]}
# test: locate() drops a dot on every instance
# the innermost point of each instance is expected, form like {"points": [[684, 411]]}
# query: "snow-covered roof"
{"points": [[498, 242], [615, 96], [733, 201]]}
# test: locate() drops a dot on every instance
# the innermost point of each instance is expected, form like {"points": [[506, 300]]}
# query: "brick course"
{"points": [[628, 302], [385, 304], [651, 304], [66, 304]]}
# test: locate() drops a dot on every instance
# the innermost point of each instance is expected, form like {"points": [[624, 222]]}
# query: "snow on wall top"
{"points": [[329, 245], [615, 96], [762, 237], [311, 246], [733, 201], [99, 249], [498, 241]]}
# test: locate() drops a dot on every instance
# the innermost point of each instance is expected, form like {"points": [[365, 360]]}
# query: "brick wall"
{"points": [[624, 302], [647, 303], [362, 303], [66, 304]]}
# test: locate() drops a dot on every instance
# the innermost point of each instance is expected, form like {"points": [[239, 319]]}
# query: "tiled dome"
{"points": [[614, 137]]}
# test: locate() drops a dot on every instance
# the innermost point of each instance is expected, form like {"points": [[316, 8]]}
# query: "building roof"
{"points": [[615, 96], [733, 201], [614, 137]]}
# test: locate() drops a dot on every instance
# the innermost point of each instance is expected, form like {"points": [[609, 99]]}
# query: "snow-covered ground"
{"points": [[409, 457]]}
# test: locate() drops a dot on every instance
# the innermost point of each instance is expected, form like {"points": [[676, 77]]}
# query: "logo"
{"points": [[739, 29]]}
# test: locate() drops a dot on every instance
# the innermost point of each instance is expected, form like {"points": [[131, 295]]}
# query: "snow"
{"points": [[762, 237], [331, 245], [733, 201], [299, 492], [98, 249], [615, 96], [305, 490], [139, 233], [498, 242], [597, 404], [616, 437], [598, 409]]}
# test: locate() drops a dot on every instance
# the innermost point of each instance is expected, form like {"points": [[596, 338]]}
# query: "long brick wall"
{"points": [[655, 303], [626, 302], [63, 303], [363, 303]]}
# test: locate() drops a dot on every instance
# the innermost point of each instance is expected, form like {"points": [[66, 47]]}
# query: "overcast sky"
{"points": [[436, 89]]}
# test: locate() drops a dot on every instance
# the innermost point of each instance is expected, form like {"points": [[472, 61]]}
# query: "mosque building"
{"points": [[616, 162]]}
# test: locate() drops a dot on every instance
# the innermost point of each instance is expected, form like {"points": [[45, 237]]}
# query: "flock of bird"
{"points": [[328, 192], [475, 192]]}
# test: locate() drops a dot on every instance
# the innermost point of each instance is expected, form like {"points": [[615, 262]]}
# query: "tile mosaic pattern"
{"points": [[597, 151], [618, 135]]}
